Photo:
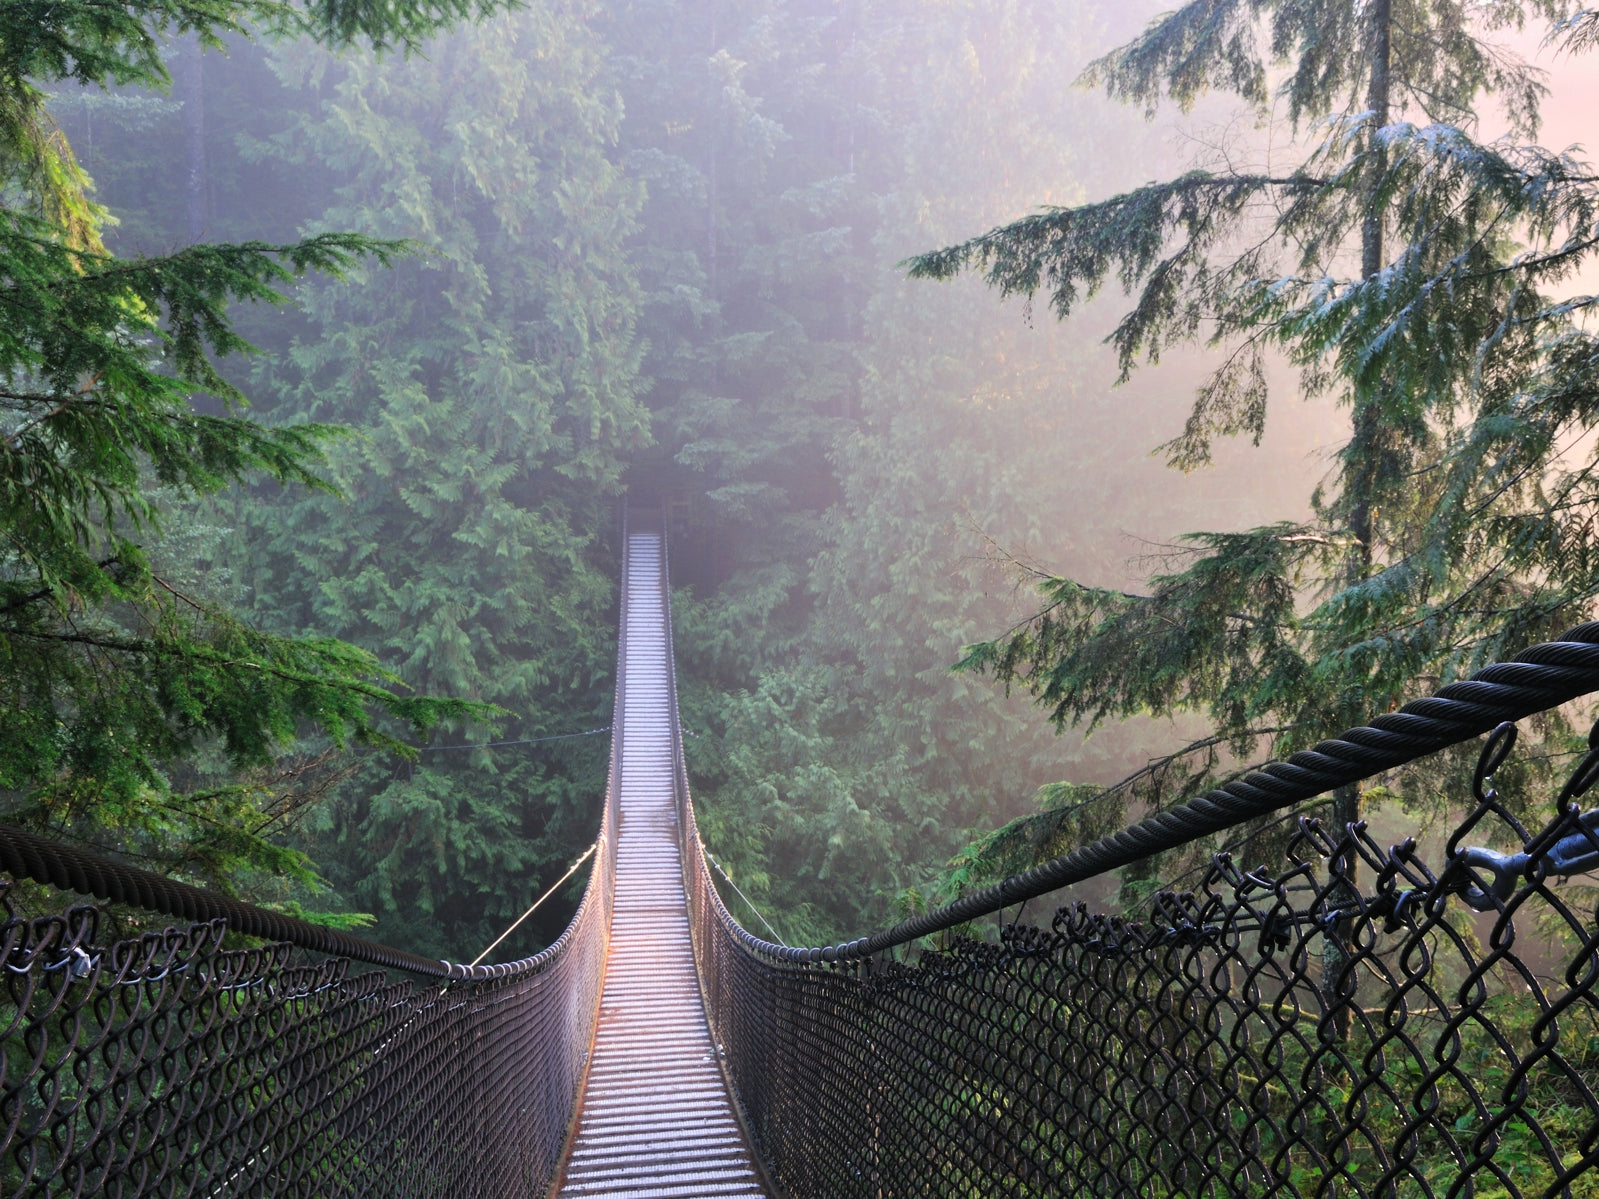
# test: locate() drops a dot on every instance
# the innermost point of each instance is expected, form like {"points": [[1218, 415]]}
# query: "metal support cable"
{"points": [[517, 923], [25, 855], [748, 902], [520, 741], [1541, 677]]}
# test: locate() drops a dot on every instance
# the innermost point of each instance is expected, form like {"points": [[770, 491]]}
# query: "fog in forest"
{"points": [[658, 253]]}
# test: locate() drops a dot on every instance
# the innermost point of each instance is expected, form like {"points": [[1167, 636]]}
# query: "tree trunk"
{"points": [[710, 180], [191, 90], [1361, 480]]}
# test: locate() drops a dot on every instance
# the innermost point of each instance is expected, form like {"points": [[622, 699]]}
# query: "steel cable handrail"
{"points": [[1300, 1031], [1536, 679], [27, 855]]}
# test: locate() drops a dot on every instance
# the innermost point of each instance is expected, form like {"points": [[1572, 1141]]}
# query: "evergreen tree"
{"points": [[738, 127], [1406, 267], [494, 383], [116, 680], [837, 482]]}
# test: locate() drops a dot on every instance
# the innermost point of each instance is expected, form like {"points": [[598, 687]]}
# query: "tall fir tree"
{"points": [[1407, 268], [116, 681], [494, 383]]}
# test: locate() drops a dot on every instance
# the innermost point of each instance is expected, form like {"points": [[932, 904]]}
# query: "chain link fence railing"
{"points": [[1350, 1023], [171, 1065]]}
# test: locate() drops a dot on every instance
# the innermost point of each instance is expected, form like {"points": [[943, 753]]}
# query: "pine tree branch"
{"points": [[193, 652], [15, 439], [46, 592]]}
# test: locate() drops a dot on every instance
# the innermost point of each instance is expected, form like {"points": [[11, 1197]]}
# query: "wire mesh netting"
{"points": [[168, 1065], [1351, 1022], [1287, 1032], [171, 1065]]}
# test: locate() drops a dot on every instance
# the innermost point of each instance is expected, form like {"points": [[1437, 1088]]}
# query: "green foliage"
{"points": [[123, 43], [1070, 252], [1113, 655], [1577, 31], [112, 672], [117, 682], [97, 45], [494, 381], [1069, 815]]}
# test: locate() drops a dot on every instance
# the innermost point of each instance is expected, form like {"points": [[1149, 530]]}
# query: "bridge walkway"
{"points": [[655, 1120]]}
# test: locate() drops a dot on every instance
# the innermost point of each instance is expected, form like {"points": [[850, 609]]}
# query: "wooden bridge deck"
{"points": [[656, 1121]]}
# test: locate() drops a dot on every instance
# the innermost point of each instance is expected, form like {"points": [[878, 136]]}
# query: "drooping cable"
{"points": [[521, 741], [749, 903], [515, 924], [1540, 677]]}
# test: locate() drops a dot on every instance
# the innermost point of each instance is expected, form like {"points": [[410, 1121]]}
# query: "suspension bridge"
{"points": [[1355, 1020]]}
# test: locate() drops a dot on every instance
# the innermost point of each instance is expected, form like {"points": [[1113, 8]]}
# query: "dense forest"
{"points": [[511, 275]]}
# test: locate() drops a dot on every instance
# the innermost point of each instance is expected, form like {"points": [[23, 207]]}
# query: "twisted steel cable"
{"points": [[25, 855], [1540, 677]]}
